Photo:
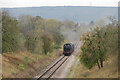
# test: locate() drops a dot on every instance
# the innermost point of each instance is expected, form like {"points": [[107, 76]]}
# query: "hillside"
{"points": [[76, 13]]}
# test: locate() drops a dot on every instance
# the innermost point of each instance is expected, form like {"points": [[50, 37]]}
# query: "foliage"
{"points": [[68, 24], [56, 46], [32, 42], [26, 23], [21, 67], [34, 34], [10, 32], [47, 43], [26, 58], [97, 45], [111, 39], [93, 47], [53, 26]]}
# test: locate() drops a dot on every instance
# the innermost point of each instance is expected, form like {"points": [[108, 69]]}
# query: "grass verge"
{"points": [[110, 69]]}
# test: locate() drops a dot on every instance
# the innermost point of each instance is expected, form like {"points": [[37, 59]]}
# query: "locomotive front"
{"points": [[68, 49]]}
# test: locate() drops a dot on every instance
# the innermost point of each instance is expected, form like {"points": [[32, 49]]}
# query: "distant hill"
{"points": [[76, 13]]}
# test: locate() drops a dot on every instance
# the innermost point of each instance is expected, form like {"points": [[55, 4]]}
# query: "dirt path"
{"points": [[65, 68]]}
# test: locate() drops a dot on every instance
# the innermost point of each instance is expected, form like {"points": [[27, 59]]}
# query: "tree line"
{"points": [[34, 34]]}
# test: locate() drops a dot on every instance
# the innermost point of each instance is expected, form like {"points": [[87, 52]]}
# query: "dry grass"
{"points": [[32, 64], [110, 69]]}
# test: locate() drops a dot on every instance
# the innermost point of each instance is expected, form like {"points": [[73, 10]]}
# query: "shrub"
{"points": [[21, 67]]}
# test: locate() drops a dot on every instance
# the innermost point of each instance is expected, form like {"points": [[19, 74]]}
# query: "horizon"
{"points": [[36, 3], [72, 13], [63, 6]]}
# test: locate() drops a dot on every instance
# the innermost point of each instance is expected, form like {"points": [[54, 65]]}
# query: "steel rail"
{"points": [[62, 58]]}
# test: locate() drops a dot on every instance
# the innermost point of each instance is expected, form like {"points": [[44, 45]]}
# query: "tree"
{"points": [[113, 20], [26, 23], [10, 32], [53, 27], [30, 41], [47, 43], [68, 24], [40, 23], [92, 23], [93, 48], [33, 41]]}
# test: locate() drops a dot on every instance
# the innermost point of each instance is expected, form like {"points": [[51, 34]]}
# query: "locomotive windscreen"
{"points": [[67, 47]]}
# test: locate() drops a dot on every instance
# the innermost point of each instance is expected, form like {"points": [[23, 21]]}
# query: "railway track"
{"points": [[47, 74]]}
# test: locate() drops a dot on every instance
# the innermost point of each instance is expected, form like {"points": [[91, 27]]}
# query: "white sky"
{"points": [[38, 3]]}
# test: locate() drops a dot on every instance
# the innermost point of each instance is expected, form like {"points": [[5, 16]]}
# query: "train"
{"points": [[68, 49]]}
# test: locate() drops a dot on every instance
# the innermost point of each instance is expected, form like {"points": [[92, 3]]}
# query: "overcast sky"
{"points": [[38, 3]]}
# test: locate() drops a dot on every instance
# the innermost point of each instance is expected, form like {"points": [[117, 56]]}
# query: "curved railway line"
{"points": [[47, 74]]}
